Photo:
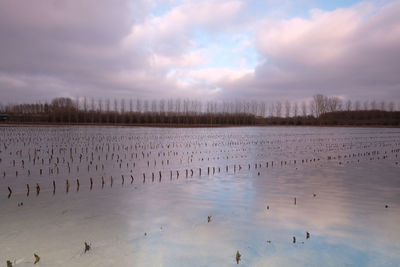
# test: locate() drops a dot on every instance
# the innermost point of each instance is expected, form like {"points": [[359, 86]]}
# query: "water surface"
{"points": [[262, 186]]}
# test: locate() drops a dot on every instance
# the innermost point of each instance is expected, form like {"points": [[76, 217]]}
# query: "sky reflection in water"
{"points": [[347, 219]]}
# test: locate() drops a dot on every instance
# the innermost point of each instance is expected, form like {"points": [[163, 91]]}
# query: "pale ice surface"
{"points": [[353, 172]]}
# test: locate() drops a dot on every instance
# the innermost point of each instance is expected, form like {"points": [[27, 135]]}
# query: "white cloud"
{"points": [[120, 49], [319, 40], [352, 51]]}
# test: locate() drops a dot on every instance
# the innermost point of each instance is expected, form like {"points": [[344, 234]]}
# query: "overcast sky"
{"points": [[211, 49]]}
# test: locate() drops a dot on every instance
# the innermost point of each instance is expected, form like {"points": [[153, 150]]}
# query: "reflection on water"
{"points": [[262, 187]]}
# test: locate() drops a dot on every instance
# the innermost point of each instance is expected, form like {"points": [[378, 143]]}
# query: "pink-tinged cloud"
{"points": [[121, 49], [351, 51]]}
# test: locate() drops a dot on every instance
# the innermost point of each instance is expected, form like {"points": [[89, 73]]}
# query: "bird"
{"points": [[10, 192], [37, 189], [209, 218], [87, 247], [238, 257], [37, 258], [294, 239], [307, 235]]}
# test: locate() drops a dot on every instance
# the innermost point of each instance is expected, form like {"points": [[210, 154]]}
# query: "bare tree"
{"points": [[84, 108], [288, 107], [357, 105], [304, 109], [75, 110], [365, 105], [391, 106], [200, 107], [262, 109], [108, 106], [130, 110], [153, 110], [271, 109], [115, 106], [185, 106], [178, 106], [162, 106], [122, 110], [115, 110], [100, 106], [254, 107], [122, 105], [278, 109], [332, 104], [295, 109], [146, 106], [92, 110], [348, 105], [138, 106], [318, 105], [373, 105], [383, 105]]}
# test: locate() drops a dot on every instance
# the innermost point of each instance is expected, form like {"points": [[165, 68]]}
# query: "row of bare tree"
{"points": [[178, 111], [321, 104]]}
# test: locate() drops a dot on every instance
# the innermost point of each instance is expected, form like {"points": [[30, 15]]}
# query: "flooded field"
{"points": [[267, 196]]}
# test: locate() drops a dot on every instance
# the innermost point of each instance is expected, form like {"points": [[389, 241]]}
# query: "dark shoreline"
{"points": [[180, 125]]}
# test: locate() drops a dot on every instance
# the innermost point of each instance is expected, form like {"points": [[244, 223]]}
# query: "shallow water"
{"points": [[265, 185]]}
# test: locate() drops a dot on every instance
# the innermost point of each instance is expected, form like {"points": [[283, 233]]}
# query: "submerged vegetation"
{"points": [[79, 177], [321, 110]]}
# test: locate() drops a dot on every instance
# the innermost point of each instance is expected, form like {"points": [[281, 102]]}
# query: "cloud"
{"points": [[102, 48], [171, 35], [193, 49], [350, 51]]}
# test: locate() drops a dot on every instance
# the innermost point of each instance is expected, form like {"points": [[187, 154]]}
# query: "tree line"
{"points": [[319, 110]]}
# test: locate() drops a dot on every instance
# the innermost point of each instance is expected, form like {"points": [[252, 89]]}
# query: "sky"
{"points": [[266, 50]]}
